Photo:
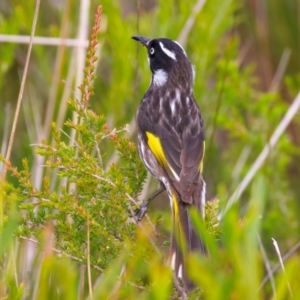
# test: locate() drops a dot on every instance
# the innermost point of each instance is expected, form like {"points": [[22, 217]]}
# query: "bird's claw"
{"points": [[142, 211]]}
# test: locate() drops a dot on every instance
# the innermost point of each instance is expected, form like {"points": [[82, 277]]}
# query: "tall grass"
{"points": [[68, 228]]}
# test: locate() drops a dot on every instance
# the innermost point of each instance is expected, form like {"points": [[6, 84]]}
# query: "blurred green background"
{"points": [[246, 56]]}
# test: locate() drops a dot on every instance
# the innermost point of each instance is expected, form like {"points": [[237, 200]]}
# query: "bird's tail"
{"points": [[184, 238]]}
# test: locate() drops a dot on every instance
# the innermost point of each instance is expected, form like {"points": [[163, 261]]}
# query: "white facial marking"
{"points": [[173, 261], [152, 51], [180, 47], [167, 51], [180, 272], [160, 77]]}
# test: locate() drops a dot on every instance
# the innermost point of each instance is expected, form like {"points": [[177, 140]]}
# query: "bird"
{"points": [[171, 144]]}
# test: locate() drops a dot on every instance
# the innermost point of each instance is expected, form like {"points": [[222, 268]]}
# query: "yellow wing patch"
{"points": [[156, 148], [201, 161]]}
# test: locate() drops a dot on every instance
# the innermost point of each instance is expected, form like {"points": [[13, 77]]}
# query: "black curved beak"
{"points": [[142, 40]]}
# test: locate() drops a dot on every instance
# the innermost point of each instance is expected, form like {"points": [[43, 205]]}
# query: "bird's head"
{"points": [[168, 62]]}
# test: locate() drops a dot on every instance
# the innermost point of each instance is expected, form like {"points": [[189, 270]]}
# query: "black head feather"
{"points": [[169, 58]]}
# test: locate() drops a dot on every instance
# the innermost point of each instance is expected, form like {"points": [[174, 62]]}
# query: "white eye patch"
{"points": [[180, 47], [152, 51], [169, 53]]}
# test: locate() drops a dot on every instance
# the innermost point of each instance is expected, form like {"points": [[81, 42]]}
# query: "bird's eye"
{"points": [[151, 51]]}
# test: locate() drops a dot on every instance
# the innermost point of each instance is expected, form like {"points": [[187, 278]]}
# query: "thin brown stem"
{"points": [[60, 252], [21, 92], [89, 260]]}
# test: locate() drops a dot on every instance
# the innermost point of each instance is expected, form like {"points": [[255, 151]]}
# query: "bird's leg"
{"points": [[141, 212]]}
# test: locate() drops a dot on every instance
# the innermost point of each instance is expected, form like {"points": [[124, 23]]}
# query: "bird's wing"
{"points": [[191, 159], [180, 152], [166, 147]]}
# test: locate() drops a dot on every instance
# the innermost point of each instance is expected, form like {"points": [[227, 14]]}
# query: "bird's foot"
{"points": [[142, 211]]}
